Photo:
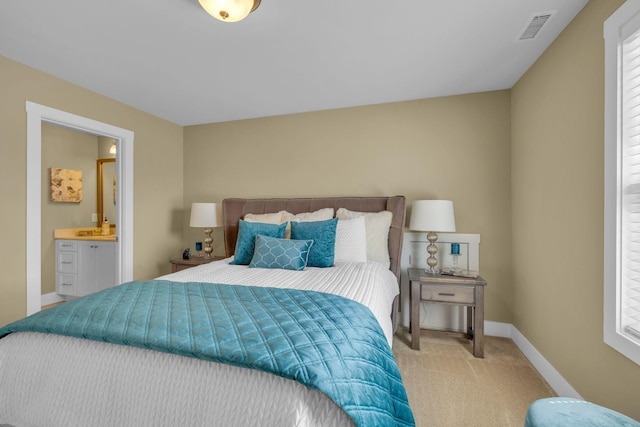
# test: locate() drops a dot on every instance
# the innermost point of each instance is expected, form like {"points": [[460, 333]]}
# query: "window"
{"points": [[622, 181]]}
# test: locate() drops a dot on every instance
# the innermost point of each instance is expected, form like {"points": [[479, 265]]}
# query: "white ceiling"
{"points": [[171, 59]]}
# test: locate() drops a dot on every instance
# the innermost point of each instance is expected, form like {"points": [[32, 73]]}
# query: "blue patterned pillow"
{"points": [[271, 252], [323, 234], [247, 238]]}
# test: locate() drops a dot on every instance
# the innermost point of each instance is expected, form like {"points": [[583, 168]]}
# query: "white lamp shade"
{"points": [[205, 215], [229, 10], [432, 215]]}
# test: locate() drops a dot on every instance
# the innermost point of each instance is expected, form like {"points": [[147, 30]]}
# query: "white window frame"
{"points": [[622, 23]]}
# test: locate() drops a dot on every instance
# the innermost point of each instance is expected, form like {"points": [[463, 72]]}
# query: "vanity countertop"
{"points": [[88, 233]]}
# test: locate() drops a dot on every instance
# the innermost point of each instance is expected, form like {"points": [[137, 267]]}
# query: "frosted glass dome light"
{"points": [[229, 10]]}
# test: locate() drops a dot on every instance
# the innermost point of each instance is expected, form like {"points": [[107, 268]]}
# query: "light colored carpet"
{"points": [[447, 386]]}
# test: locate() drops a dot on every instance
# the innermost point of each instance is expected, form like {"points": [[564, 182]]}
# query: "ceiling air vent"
{"points": [[534, 26]]}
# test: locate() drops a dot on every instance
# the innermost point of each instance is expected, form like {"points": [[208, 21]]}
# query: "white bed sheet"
{"points": [[50, 380], [56, 381], [370, 283]]}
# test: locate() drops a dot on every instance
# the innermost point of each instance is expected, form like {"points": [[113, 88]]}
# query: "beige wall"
{"points": [[157, 179], [557, 192], [451, 148]]}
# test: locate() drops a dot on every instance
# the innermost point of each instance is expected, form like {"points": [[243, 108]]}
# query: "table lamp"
{"points": [[432, 216], [207, 215]]}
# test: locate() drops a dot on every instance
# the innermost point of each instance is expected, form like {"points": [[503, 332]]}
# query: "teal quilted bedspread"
{"points": [[324, 341]]}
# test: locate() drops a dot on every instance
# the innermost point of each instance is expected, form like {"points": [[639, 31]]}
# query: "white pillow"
{"points": [[351, 241], [270, 218], [377, 225], [319, 215], [284, 216]]}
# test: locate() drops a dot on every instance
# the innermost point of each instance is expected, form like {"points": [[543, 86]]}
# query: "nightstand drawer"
{"points": [[448, 293], [179, 264]]}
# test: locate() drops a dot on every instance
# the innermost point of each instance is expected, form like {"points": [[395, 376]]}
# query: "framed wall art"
{"points": [[66, 185]]}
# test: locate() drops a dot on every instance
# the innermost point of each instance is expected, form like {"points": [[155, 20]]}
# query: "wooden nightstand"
{"points": [[453, 290], [178, 264]]}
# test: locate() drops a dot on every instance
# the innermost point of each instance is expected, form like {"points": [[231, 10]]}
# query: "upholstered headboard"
{"points": [[235, 209]]}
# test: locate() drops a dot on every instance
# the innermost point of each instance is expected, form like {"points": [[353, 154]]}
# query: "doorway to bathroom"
{"points": [[37, 115]]}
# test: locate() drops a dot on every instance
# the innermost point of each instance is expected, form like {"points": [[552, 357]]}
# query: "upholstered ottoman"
{"points": [[566, 412]]}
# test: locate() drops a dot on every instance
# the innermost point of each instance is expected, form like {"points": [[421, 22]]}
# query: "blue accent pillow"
{"points": [[271, 252], [323, 234], [246, 241]]}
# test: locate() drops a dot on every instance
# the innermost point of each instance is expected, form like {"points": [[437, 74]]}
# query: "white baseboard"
{"points": [[548, 372], [498, 329], [50, 298]]}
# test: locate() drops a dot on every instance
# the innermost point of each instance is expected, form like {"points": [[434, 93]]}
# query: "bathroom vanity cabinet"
{"points": [[84, 266]]}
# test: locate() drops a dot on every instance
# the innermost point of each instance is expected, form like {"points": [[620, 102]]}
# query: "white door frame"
{"points": [[36, 114]]}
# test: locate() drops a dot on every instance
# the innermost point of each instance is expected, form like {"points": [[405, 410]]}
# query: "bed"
{"points": [[256, 346]]}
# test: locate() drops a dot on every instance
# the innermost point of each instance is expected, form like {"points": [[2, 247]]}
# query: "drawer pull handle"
{"points": [[446, 294], [67, 262], [67, 284]]}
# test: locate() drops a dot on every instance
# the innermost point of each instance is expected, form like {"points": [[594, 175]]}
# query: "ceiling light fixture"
{"points": [[229, 10]]}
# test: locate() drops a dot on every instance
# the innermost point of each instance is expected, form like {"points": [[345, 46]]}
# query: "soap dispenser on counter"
{"points": [[105, 227]]}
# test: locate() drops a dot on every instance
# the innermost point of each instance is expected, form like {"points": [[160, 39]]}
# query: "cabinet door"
{"points": [[86, 268], [96, 266], [105, 272]]}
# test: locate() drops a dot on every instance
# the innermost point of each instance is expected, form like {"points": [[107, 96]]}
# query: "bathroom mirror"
{"points": [[106, 185]]}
